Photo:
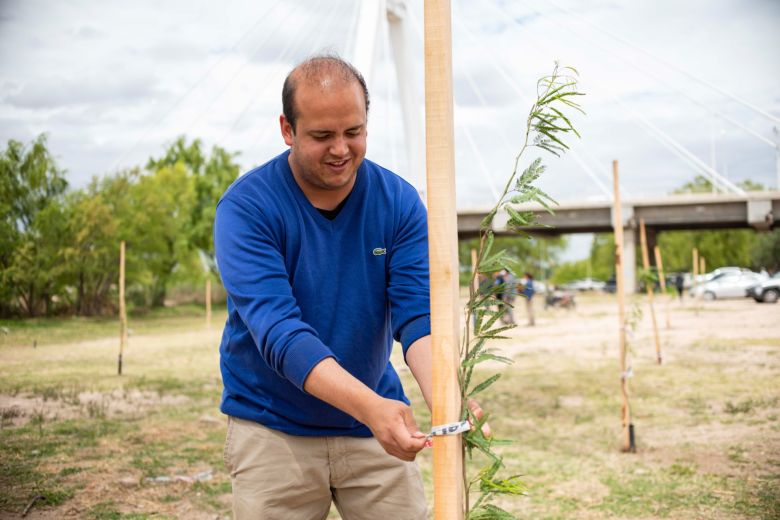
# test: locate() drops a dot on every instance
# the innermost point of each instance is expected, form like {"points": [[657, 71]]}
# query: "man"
{"points": [[528, 292], [324, 258], [509, 294]]}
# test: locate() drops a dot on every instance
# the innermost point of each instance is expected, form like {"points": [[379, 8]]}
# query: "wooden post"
{"points": [[695, 270], [662, 277], [650, 290], [208, 302], [702, 266], [122, 308], [628, 428], [475, 284], [443, 250]]}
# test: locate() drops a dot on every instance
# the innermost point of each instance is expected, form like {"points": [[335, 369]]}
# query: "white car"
{"points": [[585, 284], [728, 285], [767, 291], [720, 271]]}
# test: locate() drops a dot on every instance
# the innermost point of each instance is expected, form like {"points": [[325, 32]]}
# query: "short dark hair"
{"points": [[316, 67]]}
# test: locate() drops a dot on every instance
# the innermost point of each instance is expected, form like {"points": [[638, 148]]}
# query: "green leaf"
{"points": [[484, 384]]}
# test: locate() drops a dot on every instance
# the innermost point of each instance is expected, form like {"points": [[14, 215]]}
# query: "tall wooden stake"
{"points": [[702, 266], [443, 247], [208, 302], [646, 265], [662, 278], [475, 286], [695, 280], [628, 428], [122, 308]]}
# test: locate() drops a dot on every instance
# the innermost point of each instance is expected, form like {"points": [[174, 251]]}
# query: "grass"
{"points": [[707, 424], [48, 331]]}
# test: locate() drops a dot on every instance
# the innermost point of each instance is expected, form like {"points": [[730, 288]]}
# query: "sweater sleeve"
{"points": [[408, 287], [254, 275]]}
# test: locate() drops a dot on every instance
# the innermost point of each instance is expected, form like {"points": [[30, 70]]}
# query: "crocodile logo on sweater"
{"points": [[379, 251]]}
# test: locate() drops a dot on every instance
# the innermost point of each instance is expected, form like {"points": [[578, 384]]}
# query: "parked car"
{"points": [[584, 284], [728, 285], [767, 291], [719, 272]]}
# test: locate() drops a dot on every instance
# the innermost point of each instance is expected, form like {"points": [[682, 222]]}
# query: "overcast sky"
{"points": [[112, 82]]}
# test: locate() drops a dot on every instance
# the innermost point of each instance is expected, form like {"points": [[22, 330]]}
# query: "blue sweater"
{"points": [[302, 288]]}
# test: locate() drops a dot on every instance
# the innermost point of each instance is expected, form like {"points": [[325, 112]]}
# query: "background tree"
{"points": [[160, 230], [211, 176], [31, 200], [533, 254]]}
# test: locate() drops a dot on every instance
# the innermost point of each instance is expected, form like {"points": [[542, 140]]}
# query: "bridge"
{"points": [[757, 210]]}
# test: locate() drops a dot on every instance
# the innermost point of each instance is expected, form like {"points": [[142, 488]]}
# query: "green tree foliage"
{"points": [[32, 189], [59, 251], [600, 263], [546, 127], [526, 254], [160, 231], [99, 220], [211, 175], [766, 251]]}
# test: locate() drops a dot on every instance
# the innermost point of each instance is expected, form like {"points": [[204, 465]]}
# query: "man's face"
{"points": [[329, 141]]}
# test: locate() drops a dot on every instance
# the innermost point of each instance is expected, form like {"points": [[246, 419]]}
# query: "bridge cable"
{"points": [[243, 66], [505, 76], [662, 81], [667, 140], [487, 175], [704, 82], [282, 59], [156, 123]]}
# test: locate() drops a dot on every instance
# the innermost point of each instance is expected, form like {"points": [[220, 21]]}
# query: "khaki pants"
{"points": [[277, 476]]}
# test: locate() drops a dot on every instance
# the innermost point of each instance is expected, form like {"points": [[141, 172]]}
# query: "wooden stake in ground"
{"points": [[702, 266], [208, 302], [122, 308], [646, 265], [662, 278], [695, 269], [475, 285], [442, 240], [628, 428]]}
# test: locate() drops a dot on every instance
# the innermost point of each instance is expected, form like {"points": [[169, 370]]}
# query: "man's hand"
{"points": [[393, 425], [391, 421], [479, 414]]}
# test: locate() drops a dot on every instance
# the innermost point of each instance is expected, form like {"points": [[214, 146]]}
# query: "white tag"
{"points": [[450, 429]]}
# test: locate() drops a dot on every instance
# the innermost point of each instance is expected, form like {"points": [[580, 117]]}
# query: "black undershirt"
{"points": [[330, 214]]}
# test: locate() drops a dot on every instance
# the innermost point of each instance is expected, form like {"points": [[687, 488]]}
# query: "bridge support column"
{"points": [[630, 239]]}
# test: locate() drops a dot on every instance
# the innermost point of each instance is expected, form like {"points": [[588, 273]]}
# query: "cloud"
{"points": [[53, 92], [88, 32]]}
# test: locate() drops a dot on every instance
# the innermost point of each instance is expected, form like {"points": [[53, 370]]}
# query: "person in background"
{"points": [[509, 295], [528, 293], [679, 284]]}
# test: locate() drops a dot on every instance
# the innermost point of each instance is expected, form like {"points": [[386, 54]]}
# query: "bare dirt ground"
{"points": [[707, 418]]}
